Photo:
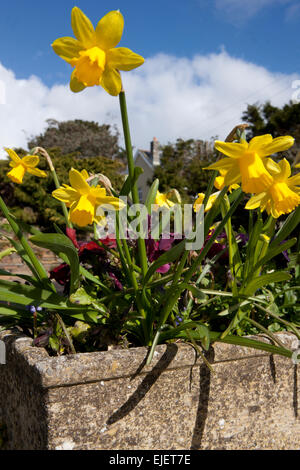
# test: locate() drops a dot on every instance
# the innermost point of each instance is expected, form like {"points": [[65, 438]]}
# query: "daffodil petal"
{"points": [[272, 166], [285, 169], [84, 174], [233, 176], [31, 160], [109, 30], [78, 182], [82, 27], [110, 202], [276, 145], [255, 201], [99, 217], [15, 158], [67, 48], [123, 58], [75, 85], [260, 141], [37, 172], [294, 181], [66, 194], [223, 164], [111, 81], [231, 149]]}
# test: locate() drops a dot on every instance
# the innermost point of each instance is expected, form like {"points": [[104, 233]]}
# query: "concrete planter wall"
{"points": [[109, 400]]}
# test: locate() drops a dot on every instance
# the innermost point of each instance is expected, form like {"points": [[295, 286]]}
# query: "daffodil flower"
{"points": [[283, 195], [161, 200], [87, 203], [199, 201], [246, 161], [22, 165], [93, 53]]}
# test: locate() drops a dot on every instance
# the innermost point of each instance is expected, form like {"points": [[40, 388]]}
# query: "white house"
{"points": [[147, 160]]}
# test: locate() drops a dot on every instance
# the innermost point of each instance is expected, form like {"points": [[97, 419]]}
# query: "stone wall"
{"points": [[111, 400]]}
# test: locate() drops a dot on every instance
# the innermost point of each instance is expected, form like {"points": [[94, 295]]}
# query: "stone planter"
{"points": [[109, 400]]}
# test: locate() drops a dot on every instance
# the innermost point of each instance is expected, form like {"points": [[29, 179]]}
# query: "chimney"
{"points": [[155, 153]]}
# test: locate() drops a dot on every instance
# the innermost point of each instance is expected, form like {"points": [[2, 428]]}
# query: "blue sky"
{"points": [[257, 40]]}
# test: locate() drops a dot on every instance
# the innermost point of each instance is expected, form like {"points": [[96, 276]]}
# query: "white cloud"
{"points": [[167, 97], [242, 10]]}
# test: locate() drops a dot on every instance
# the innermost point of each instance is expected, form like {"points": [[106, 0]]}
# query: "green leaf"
{"points": [[289, 225], [81, 297], [198, 293], [250, 343], [167, 257], [7, 252], [126, 188], [62, 246], [23, 255], [271, 253], [151, 195], [252, 244], [27, 278], [84, 272], [25, 295], [263, 280]]}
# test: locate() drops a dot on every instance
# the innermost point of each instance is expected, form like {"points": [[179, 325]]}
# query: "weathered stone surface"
{"points": [[110, 400]]}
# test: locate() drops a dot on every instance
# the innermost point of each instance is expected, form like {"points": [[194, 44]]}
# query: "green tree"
{"points": [[182, 167], [268, 119], [86, 138], [32, 201]]}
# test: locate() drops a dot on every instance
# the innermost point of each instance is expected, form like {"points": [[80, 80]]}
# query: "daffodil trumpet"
{"points": [[20, 166]]}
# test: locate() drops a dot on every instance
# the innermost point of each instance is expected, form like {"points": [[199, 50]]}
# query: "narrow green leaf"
{"points": [[167, 257], [151, 195], [263, 280], [62, 246], [288, 226], [271, 253], [126, 188]]}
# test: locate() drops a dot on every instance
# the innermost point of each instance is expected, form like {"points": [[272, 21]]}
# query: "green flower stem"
{"points": [[39, 270], [68, 337], [186, 253], [128, 267], [210, 242], [175, 292], [134, 188], [45, 154]]}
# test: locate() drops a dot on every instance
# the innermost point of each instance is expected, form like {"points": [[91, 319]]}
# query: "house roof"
{"points": [[146, 155]]}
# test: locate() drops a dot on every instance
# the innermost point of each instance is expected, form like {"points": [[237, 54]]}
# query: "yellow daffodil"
{"points": [[22, 165], [283, 195], [246, 161], [220, 182], [161, 200], [93, 53], [86, 202], [199, 201]]}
